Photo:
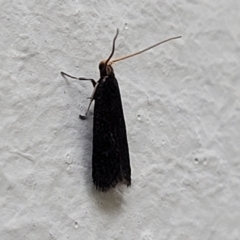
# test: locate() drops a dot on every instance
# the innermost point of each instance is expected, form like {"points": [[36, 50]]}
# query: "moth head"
{"points": [[105, 68]]}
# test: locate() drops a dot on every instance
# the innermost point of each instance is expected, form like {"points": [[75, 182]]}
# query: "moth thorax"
{"points": [[105, 70]]}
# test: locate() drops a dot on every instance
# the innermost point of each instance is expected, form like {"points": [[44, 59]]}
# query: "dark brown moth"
{"points": [[110, 154]]}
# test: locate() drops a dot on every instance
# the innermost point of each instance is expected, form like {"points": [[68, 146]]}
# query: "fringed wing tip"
{"points": [[105, 187]]}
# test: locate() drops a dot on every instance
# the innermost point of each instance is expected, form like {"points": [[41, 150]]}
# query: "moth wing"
{"points": [[110, 160]]}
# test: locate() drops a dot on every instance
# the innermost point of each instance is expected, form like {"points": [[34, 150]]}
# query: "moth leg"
{"points": [[80, 78], [94, 83], [91, 100]]}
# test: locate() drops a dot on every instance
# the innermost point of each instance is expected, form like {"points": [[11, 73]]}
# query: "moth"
{"points": [[110, 152]]}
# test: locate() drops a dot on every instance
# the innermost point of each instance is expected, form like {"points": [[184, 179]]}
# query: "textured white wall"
{"points": [[182, 110]]}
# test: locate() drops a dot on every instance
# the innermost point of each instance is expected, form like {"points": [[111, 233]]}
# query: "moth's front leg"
{"points": [[80, 78], [94, 83]]}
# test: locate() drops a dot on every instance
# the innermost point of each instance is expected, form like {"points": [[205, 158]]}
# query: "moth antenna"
{"points": [[113, 49], [144, 50]]}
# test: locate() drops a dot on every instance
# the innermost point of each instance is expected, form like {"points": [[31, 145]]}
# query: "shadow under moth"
{"points": [[110, 153]]}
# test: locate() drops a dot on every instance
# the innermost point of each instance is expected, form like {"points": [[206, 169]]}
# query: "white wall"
{"points": [[182, 110]]}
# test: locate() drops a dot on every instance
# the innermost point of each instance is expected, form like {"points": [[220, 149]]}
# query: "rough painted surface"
{"points": [[182, 110]]}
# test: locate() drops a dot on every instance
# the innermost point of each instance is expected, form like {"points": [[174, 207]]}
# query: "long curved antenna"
{"points": [[144, 50], [113, 49]]}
